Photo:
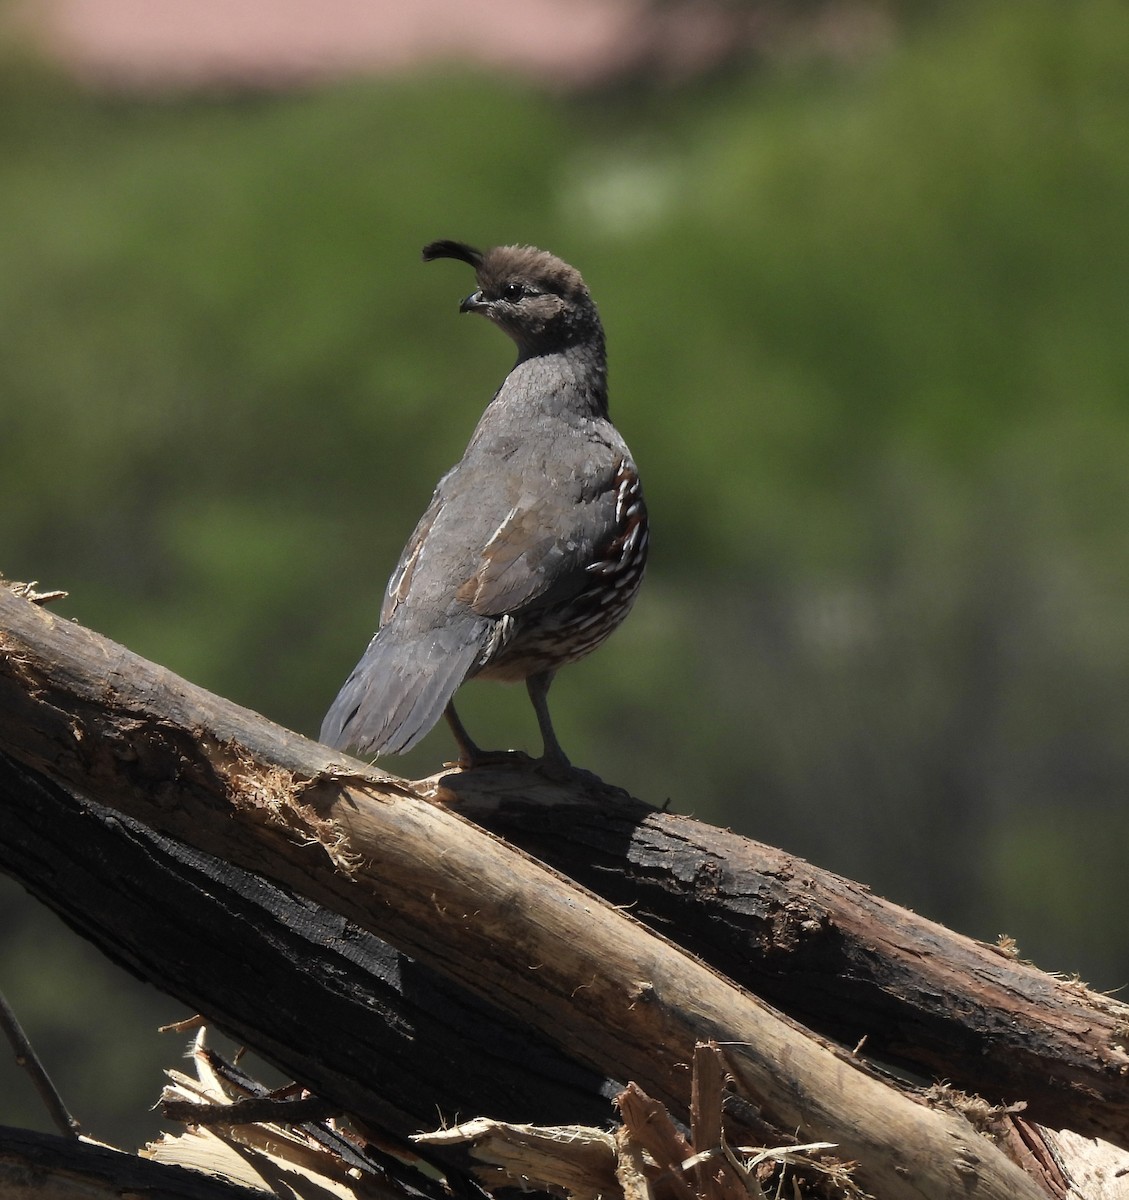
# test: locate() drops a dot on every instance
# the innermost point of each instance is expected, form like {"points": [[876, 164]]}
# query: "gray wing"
{"points": [[539, 551], [421, 653], [400, 581]]}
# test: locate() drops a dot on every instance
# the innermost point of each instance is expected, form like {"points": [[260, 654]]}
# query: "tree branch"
{"points": [[27, 1058]]}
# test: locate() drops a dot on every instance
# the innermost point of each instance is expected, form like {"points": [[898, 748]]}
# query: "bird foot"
{"points": [[556, 767], [553, 767], [491, 758]]}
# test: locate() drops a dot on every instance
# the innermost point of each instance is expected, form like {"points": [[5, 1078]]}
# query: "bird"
{"points": [[533, 548]]}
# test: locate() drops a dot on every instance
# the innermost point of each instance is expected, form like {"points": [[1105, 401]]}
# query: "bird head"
{"points": [[537, 299]]}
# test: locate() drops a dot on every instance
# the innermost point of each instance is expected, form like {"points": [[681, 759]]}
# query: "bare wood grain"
{"points": [[38, 1166]]}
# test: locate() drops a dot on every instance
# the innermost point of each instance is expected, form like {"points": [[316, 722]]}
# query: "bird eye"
{"points": [[513, 292]]}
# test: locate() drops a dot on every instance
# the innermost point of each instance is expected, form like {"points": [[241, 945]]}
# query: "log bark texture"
{"points": [[91, 716], [831, 954], [324, 1000]]}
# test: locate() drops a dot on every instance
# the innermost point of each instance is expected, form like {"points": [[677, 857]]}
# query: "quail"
{"points": [[532, 549]]}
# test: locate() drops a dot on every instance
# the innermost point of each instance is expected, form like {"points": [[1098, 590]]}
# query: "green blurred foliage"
{"points": [[868, 338]]}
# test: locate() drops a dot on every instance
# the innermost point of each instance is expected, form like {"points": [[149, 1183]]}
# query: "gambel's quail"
{"points": [[533, 547]]}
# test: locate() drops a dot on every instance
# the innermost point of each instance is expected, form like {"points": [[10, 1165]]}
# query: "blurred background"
{"points": [[864, 269]]}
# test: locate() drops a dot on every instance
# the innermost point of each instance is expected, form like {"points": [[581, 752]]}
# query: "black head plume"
{"points": [[536, 298], [449, 249]]}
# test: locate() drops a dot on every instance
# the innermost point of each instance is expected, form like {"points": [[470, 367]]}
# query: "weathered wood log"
{"points": [[322, 999], [580, 973], [832, 955], [826, 951]]}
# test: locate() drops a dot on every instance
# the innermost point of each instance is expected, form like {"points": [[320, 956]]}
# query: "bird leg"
{"points": [[552, 756], [470, 753]]}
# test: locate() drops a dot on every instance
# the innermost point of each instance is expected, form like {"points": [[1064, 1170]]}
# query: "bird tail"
{"points": [[399, 689]]}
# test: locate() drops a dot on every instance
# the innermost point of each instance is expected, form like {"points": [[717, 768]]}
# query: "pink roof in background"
{"points": [[187, 44], [190, 43]]}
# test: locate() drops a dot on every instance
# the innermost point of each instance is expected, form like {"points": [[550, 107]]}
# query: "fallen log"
{"points": [[581, 974], [906, 991]]}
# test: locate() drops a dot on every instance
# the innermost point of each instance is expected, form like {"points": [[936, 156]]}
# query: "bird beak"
{"points": [[473, 303]]}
